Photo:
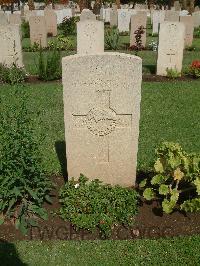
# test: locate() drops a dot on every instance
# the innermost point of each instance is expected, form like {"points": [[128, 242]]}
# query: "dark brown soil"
{"points": [[150, 223], [155, 78], [36, 80]]}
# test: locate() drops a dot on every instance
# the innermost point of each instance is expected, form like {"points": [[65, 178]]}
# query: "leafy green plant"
{"points": [[49, 65], [12, 75], [61, 43], [112, 38], [23, 184], [25, 28], [173, 73], [90, 204], [177, 176], [68, 26]]}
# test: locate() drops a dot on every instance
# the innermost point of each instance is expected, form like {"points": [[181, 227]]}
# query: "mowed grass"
{"points": [[169, 112], [175, 251]]}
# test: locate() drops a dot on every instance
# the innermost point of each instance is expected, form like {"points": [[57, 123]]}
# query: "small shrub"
{"points": [[153, 45], [68, 26], [61, 43], [190, 48], [49, 65], [197, 32], [25, 28], [33, 48], [12, 75], [173, 73], [138, 39], [177, 179], [90, 204], [194, 69], [112, 38], [23, 184]]}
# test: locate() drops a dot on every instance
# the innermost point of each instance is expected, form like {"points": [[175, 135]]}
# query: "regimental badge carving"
{"points": [[101, 122]]}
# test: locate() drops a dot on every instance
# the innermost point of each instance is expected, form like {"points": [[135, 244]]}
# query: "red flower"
{"points": [[196, 64]]}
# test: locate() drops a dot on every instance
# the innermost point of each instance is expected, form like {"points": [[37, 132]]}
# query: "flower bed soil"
{"points": [[150, 223]]}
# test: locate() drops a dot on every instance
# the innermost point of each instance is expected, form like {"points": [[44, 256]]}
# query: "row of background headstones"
{"points": [[92, 33]]}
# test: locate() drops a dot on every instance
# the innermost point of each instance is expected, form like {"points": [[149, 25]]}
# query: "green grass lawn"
{"points": [[175, 251], [169, 112]]}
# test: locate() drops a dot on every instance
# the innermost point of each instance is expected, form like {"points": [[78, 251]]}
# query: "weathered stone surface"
{"points": [[38, 30], [15, 19], [3, 19], [171, 15], [137, 20], [189, 29], [101, 113], [87, 14], [10, 45], [196, 17], [90, 37], [158, 17], [171, 45], [51, 21]]}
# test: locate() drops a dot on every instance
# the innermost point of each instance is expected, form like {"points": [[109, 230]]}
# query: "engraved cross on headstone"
{"points": [[101, 121], [171, 53]]}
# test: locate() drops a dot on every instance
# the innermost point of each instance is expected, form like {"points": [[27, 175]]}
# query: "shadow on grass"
{"points": [[60, 147], [150, 68], [9, 255]]}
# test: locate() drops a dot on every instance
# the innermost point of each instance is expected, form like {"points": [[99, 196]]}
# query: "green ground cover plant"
{"points": [[91, 205], [12, 75]]}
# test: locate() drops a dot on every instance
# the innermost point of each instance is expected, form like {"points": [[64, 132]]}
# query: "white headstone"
{"points": [[38, 30], [101, 114], [124, 17], [90, 37], [10, 45], [196, 17], [158, 17], [171, 45]]}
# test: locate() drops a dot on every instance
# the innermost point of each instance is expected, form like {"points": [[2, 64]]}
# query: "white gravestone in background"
{"points": [[189, 29], [123, 20], [196, 17], [171, 45], [10, 45], [90, 37], [38, 30], [137, 20], [101, 114], [157, 18]]}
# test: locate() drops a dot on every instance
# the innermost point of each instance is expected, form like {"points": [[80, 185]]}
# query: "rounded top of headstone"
{"points": [[87, 14], [107, 54]]}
